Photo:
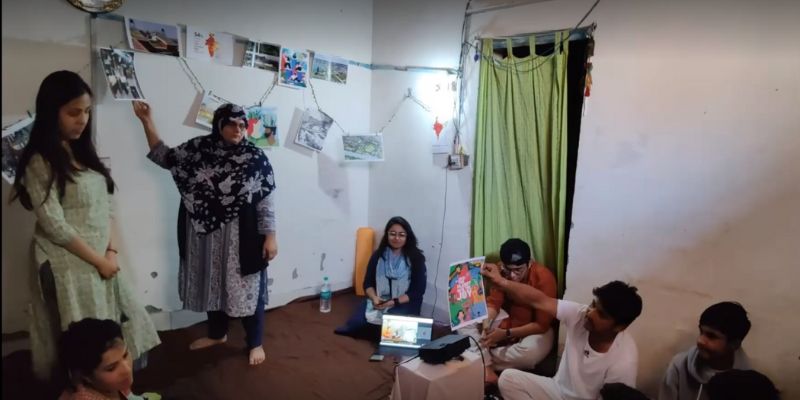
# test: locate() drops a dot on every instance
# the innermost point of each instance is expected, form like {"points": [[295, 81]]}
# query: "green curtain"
{"points": [[520, 185]]}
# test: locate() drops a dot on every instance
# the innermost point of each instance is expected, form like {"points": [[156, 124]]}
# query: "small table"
{"points": [[455, 379]]}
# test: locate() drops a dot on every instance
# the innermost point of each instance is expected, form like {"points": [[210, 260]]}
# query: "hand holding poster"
{"points": [[465, 293]]}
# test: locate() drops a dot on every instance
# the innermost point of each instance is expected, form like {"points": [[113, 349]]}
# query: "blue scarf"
{"points": [[393, 275], [392, 279]]}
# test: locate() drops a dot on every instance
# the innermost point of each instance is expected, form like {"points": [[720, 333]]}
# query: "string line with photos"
{"points": [[201, 88], [408, 68], [365, 65], [459, 72]]}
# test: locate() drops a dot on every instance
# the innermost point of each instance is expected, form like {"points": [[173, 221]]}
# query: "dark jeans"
{"points": [[358, 326], [253, 324]]}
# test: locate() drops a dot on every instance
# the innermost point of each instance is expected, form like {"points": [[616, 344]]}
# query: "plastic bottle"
{"points": [[325, 296]]}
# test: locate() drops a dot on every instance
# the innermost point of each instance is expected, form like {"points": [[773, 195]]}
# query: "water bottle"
{"points": [[325, 296]]}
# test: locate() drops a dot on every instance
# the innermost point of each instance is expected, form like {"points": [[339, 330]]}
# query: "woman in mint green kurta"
{"points": [[61, 179]]}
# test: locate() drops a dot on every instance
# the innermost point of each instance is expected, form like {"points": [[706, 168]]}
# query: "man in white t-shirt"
{"points": [[598, 349]]}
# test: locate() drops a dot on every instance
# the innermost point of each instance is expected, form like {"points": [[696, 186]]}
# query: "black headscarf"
{"points": [[216, 179]]}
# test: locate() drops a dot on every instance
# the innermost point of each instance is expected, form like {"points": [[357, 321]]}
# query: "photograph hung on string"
{"points": [[120, 73], [209, 46], [262, 126], [205, 113], [260, 55], [152, 37], [320, 66], [293, 68], [367, 147], [339, 70], [313, 129]]}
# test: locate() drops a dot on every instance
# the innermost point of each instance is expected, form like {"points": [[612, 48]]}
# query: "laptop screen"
{"points": [[402, 331]]}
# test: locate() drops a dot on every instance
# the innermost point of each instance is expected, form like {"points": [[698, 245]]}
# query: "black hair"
{"points": [[81, 346], [620, 391], [735, 384], [410, 249], [728, 317], [56, 90], [620, 300]]}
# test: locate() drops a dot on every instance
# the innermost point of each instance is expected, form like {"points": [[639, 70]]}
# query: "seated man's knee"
{"points": [[509, 378]]}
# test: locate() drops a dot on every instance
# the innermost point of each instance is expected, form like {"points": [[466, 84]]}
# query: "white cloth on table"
{"points": [[417, 380]]}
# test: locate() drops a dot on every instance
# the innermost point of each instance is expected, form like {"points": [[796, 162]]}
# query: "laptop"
{"points": [[402, 336]]}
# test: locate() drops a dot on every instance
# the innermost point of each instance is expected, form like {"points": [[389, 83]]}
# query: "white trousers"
{"points": [[519, 385], [524, 354]]}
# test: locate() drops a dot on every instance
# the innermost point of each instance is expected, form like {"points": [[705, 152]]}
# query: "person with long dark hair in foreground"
{"points": [[62, 180]]}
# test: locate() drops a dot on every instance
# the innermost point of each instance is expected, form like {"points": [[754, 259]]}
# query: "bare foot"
{"points": [[257, 355], [202, 343], [491, 376]]}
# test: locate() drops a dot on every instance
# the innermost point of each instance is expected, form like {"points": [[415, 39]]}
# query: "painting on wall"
{"points": [[320, 66], [363, 147], [15, 137], [209, 46], [152, 37], [262, 126], [293, 68], [314, 127], [120, 74]]}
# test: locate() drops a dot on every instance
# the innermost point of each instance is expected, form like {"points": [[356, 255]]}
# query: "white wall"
{"points": [[320, 202], [411, 183], [688, 183]]}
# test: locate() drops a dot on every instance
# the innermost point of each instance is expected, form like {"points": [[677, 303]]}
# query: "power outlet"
{"points": [[457, 161]]}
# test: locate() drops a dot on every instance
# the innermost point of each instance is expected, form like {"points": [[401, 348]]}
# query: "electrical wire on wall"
{"points": [[441, 246]]}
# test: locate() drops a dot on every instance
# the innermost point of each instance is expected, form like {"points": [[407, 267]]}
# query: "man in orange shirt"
{"points": [[524, 338]]}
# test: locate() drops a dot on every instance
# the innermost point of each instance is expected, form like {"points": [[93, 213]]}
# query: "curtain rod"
{"points": [[503, 6], [543, 37]]}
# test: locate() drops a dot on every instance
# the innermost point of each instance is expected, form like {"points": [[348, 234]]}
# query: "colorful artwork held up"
{"points": [[466, 294]]}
